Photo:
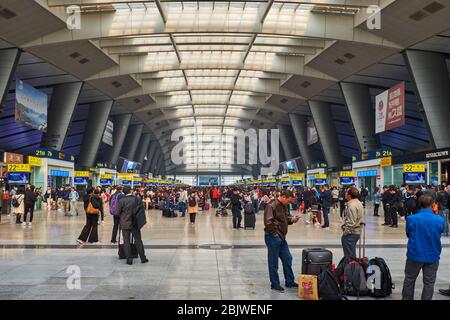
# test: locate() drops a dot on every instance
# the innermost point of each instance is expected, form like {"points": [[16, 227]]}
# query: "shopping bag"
{"points": [[307, 287]]}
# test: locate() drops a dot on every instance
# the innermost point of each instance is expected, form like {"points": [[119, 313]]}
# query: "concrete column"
{"points": [[96, 124], [60, 111], [326, 129], [362, 115], [299, 125], [150, 156], [121, 123], [429, 73], [288, 142], [131, 141], [9, 58], [142, 148]]}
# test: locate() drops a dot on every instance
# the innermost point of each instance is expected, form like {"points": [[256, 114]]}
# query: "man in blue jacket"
{"points": [[424, 231]]}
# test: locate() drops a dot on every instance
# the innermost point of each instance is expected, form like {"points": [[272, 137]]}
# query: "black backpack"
{"points": [[329, 287], [192, 201], [355, 281], [383, 288]]}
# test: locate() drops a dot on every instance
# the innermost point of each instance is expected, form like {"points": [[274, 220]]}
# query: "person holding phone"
{"points": [[276, 222]]}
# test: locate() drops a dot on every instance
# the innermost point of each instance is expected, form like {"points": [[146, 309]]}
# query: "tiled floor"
{"points": [[174, 271]]}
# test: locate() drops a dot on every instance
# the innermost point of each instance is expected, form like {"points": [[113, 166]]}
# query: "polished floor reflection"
{"points": [[178, 269]]}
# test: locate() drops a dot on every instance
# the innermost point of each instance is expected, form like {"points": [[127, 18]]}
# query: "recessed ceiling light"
{"points": [[340, 61], [83, 61], [349, 56], [284, 100]]}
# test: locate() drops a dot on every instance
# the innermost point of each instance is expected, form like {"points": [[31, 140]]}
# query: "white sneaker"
{"points": [[29, 224], [24, 224]]}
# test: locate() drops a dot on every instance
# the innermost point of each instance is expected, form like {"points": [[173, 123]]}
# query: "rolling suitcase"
{"points": [[249, 220], [315, 260]]}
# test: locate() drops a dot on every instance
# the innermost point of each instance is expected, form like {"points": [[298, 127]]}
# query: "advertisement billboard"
{"points": [[31, 106], [311, 134], [390, 108], [108, 134]]}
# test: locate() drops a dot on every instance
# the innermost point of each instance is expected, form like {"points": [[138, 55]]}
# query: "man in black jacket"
{"points": [[236, 209], [30, 200], [126, 210], [326, 200]]}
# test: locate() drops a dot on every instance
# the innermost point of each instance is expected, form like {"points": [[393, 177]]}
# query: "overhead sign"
{"points": [[125, 176], [10, 157], [106, 165], [320, 176], [437, 154], [81, 180], [20, 167], [370, 155], [34, 161], [347, 174], [106, 176], [31, 106], [414, 168], [81, 173], [386, 162], [390, 108], [108, 134], [53, 154]]}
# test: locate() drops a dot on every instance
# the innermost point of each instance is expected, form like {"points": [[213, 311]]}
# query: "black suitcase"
{"points": [[315, 260], [249, 221], [166, 213]]}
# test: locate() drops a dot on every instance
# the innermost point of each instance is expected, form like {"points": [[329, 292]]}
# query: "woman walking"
{"points": [[92, 205], [73, 197], [18, 205], [193, 202]]}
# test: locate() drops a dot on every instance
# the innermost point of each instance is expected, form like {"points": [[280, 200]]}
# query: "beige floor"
{"points": [[35, 262]]}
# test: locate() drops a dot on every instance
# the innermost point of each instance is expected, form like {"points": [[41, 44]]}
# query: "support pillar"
{"points": [[131, 141], [359, 104], [95, 127], [429, 73], [9, 58], [150, 156], [142, 148], [299, 125], [287, 142], [121, 123], [326, 129], [60, 111]]}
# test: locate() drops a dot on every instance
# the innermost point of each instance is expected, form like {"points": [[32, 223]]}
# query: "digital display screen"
{"points": [[320, 182], [347, 181], [297, 182], [415, 178], [105, 182], [81, 180], [208, 180], [126, 182], [18, 177], [137, 183]]}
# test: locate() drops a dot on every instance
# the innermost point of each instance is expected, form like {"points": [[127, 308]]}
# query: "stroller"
{"points": [[222, 211]]}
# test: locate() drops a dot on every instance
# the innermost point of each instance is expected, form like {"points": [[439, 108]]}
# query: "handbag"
{"points": [[121, 248]]}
